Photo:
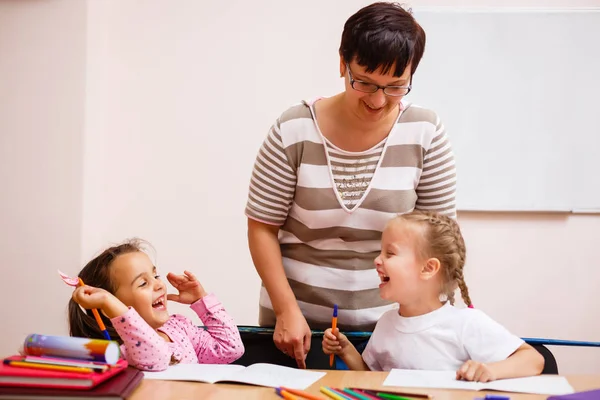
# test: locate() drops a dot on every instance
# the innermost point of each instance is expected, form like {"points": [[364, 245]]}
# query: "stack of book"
{"points": [[67, 367]]}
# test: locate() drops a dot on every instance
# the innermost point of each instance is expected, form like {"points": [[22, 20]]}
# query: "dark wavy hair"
{"points": [[97, 273], [383, 35]]}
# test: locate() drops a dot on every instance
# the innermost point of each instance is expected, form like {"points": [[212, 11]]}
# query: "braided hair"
{"points": [[444, 241]]}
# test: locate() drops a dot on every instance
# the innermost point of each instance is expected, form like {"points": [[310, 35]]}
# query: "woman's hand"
{"points": [[335, 342], [476, 372], [90, 297], [292, 336], [190, 289]]}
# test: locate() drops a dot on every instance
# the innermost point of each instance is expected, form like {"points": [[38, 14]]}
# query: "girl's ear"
{"points": [[430, 268]]}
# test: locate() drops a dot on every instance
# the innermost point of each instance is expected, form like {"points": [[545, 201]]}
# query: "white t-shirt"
{"points": [[440, 340]]}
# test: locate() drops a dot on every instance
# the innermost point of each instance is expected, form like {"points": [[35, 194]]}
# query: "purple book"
{"points": [[589, 395]]}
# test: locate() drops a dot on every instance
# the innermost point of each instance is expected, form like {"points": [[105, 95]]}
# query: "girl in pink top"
{"points": [[123, 283]]}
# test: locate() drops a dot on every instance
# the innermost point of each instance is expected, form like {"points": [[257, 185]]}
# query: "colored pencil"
{"points": [[359, 396], [301, 393], [98, 319], [285, 394], [341, 392], [367, 395], [333, 394], [391, 396], [377, 393], [333, 326], [23, 364], [64, 362]]}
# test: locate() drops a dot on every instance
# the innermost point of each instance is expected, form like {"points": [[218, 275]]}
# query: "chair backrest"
{"points": [[550, 365], [260, 348]]}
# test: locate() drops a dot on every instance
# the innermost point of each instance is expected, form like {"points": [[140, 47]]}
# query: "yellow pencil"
{"points": [[63, 368], [332, 394]]}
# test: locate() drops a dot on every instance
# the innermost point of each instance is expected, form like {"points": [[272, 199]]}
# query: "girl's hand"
{"points": [[90, 297], [190, 290], [334, 342], [476, 372]]}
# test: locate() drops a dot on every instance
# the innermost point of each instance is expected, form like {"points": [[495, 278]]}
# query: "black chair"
{"points": [[550, 365], [259, 348]]}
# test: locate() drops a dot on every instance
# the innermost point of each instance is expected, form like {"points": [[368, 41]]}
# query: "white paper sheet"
{"points": [[543, 384], [257, 374]]}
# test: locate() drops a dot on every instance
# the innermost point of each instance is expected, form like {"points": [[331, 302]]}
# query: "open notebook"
{"points": [[256, 374], [543, 384]]}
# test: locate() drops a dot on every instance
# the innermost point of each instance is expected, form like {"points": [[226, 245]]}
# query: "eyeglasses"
{"points": [[367, 87]]}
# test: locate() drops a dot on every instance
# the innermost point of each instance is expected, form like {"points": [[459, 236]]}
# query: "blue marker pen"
{"points": [[492, 397]]}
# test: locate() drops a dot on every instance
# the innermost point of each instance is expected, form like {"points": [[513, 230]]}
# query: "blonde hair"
{"points": [[443, 240]]}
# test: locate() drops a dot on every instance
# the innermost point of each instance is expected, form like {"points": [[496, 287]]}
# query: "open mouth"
{"points": [[372, 109], [159, 303], [383, 277]]}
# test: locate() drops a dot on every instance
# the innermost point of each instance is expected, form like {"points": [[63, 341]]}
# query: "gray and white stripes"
{"points": [[330, 239]]}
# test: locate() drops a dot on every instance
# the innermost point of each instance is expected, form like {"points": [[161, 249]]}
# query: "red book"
{"points": [[117, 388], [48, 378]]}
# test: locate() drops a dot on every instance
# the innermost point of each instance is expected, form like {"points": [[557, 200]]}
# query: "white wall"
{"points": [[163, 112], [42, 83]]}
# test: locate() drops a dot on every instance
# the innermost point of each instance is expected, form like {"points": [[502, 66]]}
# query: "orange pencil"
{"points": [[63, 368], [285, 394], [333, 326], [301, 393], [98, 319]]}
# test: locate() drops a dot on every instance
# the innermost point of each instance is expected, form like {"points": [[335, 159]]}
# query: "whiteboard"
{"points": [[517, 92]]}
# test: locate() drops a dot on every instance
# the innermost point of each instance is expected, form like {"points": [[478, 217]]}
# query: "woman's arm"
{"points": [[292, 333], [270, 197], [436, 190]]}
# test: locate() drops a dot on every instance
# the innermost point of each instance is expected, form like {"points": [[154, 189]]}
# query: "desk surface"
{"points": [[164, 390]]}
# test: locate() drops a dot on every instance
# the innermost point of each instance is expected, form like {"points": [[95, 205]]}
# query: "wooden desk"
{"points": [[165, 390]]}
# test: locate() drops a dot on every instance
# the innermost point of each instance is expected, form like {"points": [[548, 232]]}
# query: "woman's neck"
{"points": [[358, 125], [346, 130]]}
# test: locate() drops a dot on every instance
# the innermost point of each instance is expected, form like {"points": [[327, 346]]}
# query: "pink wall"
{"points": [[143, 165], [42, 91]]}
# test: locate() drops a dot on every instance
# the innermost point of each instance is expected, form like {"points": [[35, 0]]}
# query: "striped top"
{"points": [[353, 172], [328, 247]]}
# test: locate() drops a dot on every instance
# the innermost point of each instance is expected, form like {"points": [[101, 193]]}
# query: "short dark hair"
{"points": [[383, 35]]}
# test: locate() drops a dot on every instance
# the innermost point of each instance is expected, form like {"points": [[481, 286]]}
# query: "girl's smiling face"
{"points": [[398, 265], [139, 286]]}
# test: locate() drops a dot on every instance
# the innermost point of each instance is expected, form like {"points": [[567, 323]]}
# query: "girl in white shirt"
{"points": [[420, 266]]}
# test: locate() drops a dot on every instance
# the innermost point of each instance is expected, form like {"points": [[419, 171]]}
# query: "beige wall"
{"points": [[144, 165], [42, 89]]}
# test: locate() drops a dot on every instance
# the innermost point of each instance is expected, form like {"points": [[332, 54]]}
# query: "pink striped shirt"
{"points": [[218, 342]]}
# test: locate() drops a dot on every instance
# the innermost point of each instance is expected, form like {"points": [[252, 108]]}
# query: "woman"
{"points": [[332, 172]]}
